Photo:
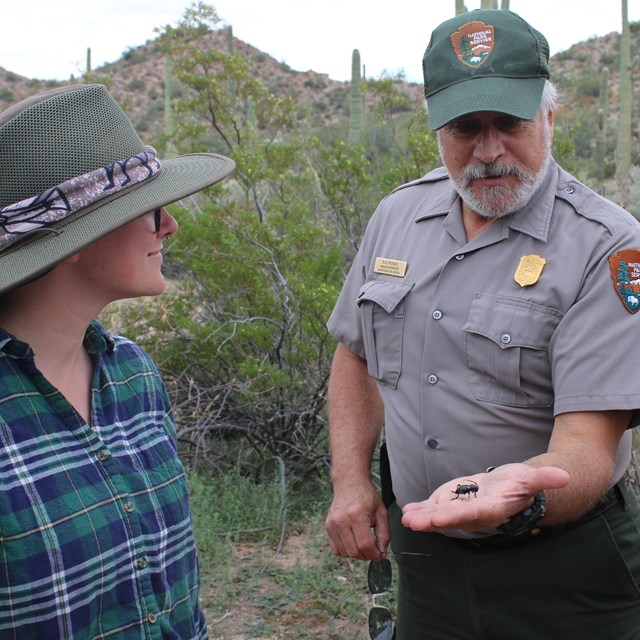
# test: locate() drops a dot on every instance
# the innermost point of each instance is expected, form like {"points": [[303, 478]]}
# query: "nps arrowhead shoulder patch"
{"points": [[473, 43], [625, 271]]}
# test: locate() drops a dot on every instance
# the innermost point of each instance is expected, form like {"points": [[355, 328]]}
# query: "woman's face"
{"points": [[127, 263]]}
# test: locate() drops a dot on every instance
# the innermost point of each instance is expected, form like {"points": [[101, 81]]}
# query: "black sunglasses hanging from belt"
{"points": [[379, 575], [381, 626]]}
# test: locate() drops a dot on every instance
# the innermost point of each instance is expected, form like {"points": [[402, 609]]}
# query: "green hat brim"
{"points": [[519, 97], [178, 178]]}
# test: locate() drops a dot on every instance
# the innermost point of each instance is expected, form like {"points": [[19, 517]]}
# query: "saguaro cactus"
{"points": [[623, 148], [488, 4], [169, 93], [460, 7], [229, 38], [603, 113], [357, 100]]}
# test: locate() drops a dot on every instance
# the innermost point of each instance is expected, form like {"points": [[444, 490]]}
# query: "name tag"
{"points": [[390, 267]]}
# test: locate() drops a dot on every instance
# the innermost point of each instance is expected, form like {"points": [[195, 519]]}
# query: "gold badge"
{"points": [[529, 270], [473, 43], [390, 267]]}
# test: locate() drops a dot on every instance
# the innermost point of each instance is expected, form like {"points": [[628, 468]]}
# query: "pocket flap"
{"points": [[385, 293], [510, 322]]}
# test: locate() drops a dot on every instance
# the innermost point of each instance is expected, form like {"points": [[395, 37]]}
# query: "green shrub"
{"points": [[136, 84], [588, 85]]}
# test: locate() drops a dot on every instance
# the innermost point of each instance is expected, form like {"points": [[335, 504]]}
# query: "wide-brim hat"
{"points": [[72, 170], [484, 60]]}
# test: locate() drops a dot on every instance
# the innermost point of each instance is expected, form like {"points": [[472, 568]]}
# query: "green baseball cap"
{"points": [[484, 60]]}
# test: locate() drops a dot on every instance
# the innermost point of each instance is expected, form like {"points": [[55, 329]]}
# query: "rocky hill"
{"points": [[137, 82]]}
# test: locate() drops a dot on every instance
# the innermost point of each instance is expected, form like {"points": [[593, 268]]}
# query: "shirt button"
{"points": [[432, 443], [437, 314], [103, 455], [152, 617], [460, 256], [432, 379], [129, 507], [142, 563], [505, 338], [569, 189]]}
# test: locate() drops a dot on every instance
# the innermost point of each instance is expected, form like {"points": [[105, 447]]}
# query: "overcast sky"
{"points": [[48, 39]]}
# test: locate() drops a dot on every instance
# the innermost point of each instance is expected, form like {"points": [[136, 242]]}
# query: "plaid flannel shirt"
{"points": [[95, 529]]}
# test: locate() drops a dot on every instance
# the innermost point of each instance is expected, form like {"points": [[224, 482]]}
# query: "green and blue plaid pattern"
{"points": [[95, 529]]}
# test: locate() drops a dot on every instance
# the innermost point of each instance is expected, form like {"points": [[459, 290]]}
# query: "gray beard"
{"points": [[501, 200]]}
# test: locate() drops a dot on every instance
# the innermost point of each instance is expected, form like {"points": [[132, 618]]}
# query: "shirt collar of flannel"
{"points": [[96, 340], [12, 347]]}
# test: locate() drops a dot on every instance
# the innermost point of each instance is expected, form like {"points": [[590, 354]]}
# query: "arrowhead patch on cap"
{"points": [[625, 271], [473, 43]]}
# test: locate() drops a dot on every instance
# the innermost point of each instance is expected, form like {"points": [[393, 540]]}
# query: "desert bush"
{"points": [[259, 260]]}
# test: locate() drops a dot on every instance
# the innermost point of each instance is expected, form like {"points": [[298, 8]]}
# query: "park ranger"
{"points": [[489, 322]]}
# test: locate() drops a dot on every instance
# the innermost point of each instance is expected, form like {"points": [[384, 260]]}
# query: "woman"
{"points": [[95, 529]]}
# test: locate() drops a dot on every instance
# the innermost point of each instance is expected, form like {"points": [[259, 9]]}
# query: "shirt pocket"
{"points": [[382, 306], [507, 342]]}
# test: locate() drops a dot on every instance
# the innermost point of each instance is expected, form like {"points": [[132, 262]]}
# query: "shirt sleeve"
{"points": [[344, 323], [592, 353]]}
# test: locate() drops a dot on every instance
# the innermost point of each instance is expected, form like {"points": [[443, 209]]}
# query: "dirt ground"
{"points": [[264, 608]]}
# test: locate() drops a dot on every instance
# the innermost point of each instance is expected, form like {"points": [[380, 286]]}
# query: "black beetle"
{"points": [[466, 489]]}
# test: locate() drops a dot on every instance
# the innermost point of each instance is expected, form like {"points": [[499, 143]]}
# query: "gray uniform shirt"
{"points": [[472, 365]]}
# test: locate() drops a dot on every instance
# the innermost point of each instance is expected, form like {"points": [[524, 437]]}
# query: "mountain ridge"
{"points": [[137, 81]]}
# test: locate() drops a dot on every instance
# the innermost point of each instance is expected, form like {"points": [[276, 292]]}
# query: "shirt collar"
{"points": [[11, 346], [441, 201], [97, 340], [534, 218]]}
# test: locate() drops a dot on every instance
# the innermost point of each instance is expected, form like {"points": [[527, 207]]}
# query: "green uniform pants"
{"points": [[582, 584]]}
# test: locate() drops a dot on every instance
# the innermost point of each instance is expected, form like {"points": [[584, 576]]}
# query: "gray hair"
{"points": [[549, 97]]}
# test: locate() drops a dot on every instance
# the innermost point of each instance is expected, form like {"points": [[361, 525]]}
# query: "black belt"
{"points": [[610, 499]]}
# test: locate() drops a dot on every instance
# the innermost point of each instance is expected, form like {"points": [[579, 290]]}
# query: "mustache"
{"points": [[494, 170]]}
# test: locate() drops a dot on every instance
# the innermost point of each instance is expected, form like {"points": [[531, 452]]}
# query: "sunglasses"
{"points": [[157, 218], [381, 625]]}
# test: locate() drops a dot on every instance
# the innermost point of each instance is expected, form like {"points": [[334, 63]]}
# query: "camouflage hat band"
{"points": [[484, 60], [40, 213]]}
